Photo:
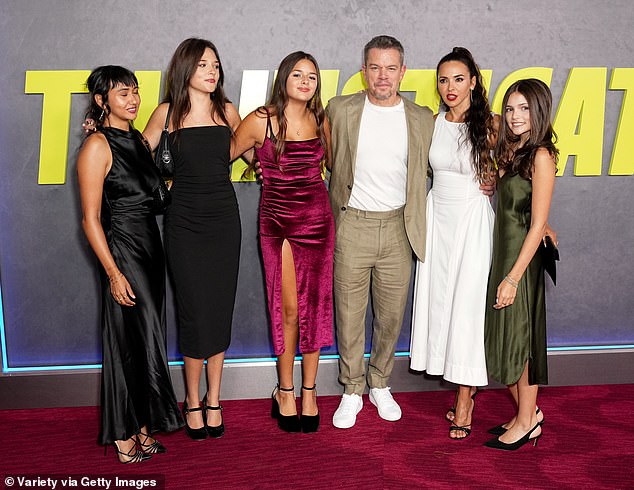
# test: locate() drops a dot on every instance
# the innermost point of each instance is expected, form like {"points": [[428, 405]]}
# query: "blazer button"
{"points": [[343, 208]]}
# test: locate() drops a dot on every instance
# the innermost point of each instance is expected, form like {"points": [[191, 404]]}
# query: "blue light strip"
{"points": [[3, 343], [248, 360]]}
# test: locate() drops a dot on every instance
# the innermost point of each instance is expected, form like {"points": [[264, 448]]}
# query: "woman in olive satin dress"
{"points": [[515, 319], [118, 184]]}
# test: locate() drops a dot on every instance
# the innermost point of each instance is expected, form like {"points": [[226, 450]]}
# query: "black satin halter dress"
{"points": [[136, 388]]}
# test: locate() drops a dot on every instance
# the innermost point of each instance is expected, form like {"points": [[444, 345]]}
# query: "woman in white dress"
{"points": [[450, 291]]}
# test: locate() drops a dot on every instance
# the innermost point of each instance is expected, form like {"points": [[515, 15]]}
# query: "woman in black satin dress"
{"points": [[118, 183], [202, 227]]}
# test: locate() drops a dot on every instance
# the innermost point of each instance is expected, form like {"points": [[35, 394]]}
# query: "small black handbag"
{"points": [[163, 156], [550, 254]]}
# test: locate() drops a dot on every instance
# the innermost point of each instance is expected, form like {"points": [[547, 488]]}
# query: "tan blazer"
{"points": [[344, 114]]}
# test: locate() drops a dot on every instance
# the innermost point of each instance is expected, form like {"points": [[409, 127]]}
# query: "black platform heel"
{"points": [[213, 431], [195, 434], [288, 423], [309, 423], [497, 444], [154, 448]]}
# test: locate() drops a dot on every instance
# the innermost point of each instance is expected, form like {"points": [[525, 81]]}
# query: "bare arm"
{"points": [[249, 133], [155, 125], [93, 164], [543, 180]]}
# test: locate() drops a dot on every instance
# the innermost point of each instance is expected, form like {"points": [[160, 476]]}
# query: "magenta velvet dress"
{"points": [[294, 206]]}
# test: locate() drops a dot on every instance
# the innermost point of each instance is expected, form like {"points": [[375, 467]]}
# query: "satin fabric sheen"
{"points": [[294, 206], [136, 385], [517, 333]]}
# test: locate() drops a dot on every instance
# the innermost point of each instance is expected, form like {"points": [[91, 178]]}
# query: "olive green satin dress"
{"points": [[517, 333]]}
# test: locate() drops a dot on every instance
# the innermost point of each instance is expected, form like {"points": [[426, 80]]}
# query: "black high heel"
{"points": [[497, 444], [466, 429], [452, 410], [498, 430], [288, 423], [213, 431], [130, 457], [195, 434], [309, 423], [154, 448]]}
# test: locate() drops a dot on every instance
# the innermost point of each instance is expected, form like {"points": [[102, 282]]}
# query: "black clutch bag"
{"points": [[163, 156], [550, 254]]}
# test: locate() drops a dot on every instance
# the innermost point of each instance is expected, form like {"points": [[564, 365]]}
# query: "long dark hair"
{"points": [[179, 72], [540, 102], [478, 118], [100, 81], [279, 100]]}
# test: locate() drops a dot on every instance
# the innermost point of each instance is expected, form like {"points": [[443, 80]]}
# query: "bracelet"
{"points": [[511, 281], [115, 277]]}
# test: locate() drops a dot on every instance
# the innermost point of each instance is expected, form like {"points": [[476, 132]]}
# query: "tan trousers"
{"points": [[371, 250]]}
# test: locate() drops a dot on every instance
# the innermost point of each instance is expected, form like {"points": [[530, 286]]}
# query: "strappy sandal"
{"points": [[153, 448]]}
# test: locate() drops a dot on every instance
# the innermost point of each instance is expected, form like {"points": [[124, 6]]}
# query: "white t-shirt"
{"points": [[380, 177]]}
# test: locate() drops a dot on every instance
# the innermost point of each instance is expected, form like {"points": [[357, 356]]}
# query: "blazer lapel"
{"points": [[353, 118]]}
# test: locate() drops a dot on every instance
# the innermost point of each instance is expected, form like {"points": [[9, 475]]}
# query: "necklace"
{"points": [[297, 132]]}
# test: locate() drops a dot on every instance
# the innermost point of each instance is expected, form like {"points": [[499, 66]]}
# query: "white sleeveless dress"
{"points": [[450, 289]]}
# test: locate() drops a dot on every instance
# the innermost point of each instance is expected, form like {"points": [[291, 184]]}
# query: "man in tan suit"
{"points": [[380, 144]]}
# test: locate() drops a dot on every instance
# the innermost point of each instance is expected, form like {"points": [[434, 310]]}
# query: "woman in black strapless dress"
{"points": [[202, 228], [118, 183]]}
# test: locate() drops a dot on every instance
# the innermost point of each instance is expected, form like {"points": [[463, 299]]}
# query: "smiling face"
{"points": [[301, 83], [123, 102], [205, 78], [518, 115], [383, 73], [455, 85]]}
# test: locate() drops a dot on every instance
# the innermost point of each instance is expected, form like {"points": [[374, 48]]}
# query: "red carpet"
{"points": [[586, 444]]}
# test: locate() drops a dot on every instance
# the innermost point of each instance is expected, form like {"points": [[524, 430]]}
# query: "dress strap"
{"points": [[269, 128]]}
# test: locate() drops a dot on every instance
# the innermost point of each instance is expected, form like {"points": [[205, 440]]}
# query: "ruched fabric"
{"points": [[294, 206]]}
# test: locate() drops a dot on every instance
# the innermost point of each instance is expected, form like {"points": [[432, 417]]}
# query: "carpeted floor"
{"points": [[586, 444]]}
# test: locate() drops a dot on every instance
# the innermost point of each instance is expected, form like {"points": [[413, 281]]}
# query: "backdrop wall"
{"points": [[48, 273]]}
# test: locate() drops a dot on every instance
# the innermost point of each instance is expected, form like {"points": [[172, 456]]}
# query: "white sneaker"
{"points": [[346, 415], [382, 399]]}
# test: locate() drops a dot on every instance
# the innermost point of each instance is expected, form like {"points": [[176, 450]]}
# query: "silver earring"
{"points": [[103, 111]]}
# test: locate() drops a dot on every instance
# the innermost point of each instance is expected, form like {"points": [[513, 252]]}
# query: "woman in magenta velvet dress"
{"points": [[291, 138]]}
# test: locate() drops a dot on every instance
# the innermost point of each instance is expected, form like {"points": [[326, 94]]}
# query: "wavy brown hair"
{"points": [[540, 101], [478, 118], [179, 72], [279, 100]]}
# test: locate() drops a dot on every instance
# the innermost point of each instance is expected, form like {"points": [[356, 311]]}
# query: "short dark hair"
{"points": [[101, 80], [383, 42]]}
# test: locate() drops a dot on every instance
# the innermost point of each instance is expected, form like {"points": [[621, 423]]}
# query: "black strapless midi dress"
{"points": [[202, 239]]}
